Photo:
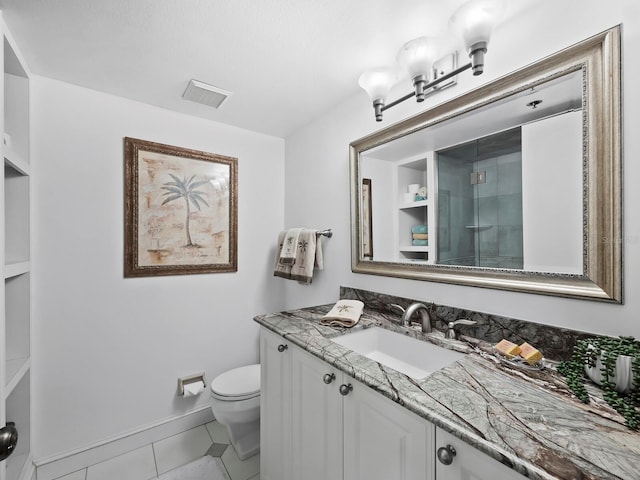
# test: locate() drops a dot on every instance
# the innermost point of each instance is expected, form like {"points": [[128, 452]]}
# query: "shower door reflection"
{"points": [[480, 202]]}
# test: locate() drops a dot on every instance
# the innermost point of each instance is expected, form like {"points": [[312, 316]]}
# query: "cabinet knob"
{"points": [[8, 440], [328, 378], [446, 454], [345, 389], [282, 347]]}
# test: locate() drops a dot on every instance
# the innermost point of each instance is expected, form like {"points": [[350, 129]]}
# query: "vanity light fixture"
{"points": [[421, 57]]}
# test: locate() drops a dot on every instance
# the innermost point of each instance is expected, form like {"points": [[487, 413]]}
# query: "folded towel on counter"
{"points": [[308, 253], [345, 313], [420, 229], [289, 248], [421, 236], [420, 243]]}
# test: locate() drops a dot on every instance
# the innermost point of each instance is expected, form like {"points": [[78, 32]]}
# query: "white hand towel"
{"points": [[290, 246], [281, 270], [319, 263], [302, 269], [306, 255], [345, 313]]}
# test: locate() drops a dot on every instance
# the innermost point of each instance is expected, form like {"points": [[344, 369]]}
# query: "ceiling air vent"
{"points": [[200, 92]]}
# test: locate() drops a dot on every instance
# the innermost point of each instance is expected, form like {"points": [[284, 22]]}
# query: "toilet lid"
{"points": [[239, 382]]}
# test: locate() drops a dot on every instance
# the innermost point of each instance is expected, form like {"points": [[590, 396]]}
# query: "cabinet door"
{"points": [[383, 440], [317, 418], [275, 407], [468, 463]]}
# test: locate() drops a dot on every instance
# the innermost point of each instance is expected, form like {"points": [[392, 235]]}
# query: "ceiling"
{"points": [[286, 61]]}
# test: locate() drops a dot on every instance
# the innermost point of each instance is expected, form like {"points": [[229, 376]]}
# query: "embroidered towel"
{"points": [[308, 252], [290, 246], [302, 269], [345, 313]]}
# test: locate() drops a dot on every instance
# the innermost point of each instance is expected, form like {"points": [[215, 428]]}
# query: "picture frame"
{"points": [[367, 220], [181, 210]]}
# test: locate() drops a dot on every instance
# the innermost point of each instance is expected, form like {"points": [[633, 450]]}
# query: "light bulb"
{"points": [[474, 20], [417, 56], [378, 82]]}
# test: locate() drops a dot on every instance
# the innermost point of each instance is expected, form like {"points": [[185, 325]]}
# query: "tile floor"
{"points": [[153, 461]]}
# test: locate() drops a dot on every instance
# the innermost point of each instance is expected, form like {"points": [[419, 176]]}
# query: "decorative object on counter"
{"points": [[613, 363], [507, 348], [530, 354], [299, 253], [181, 211], [521, 356], [345, 313]]}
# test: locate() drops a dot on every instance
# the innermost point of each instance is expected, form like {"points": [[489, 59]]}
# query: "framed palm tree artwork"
{"points": [[181, 213]]}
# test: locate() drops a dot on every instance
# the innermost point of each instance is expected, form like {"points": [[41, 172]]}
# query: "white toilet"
{"points": [[235, 401]]}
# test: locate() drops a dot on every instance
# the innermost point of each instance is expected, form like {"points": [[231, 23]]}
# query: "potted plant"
{"points": [[614, 364]]}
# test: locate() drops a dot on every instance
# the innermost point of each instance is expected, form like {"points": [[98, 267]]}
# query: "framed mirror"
{"points": [[515, 185]]}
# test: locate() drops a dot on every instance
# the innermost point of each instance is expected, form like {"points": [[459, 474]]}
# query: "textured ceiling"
{"points": [[286, 61]]}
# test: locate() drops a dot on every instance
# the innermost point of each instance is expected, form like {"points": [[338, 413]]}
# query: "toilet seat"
{"points": [[241, 383]]}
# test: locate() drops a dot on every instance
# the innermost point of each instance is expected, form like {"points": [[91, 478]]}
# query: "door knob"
{"points": [[8, 440], [446, 454], [282, 347], [328, 378], [345, 389]]}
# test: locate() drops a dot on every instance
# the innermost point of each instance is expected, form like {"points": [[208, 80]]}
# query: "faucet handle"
{"points": [[451, 333], [462, 321], [396, 307]]}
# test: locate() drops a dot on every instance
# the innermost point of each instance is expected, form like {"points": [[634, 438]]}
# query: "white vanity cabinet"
{"points": [[275, 407], [317, 423], [467, 463]]}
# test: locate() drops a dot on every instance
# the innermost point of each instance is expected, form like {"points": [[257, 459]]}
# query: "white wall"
{"points": [[107, 351], [317, 174], [552, 166]]}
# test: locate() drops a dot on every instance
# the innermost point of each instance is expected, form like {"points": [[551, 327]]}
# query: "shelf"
{"points": [[15, 161], [17, 322], [16, 215], [478, 228], [16, 369], [14, 269], [419, 203], [413, 248]]}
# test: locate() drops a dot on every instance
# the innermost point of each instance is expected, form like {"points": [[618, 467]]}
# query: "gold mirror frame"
{"points": [[599, 59]]}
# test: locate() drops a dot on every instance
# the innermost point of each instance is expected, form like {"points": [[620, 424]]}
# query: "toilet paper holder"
{"points": [[182, 382]]}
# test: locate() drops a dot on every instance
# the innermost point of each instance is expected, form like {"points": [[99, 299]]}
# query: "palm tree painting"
{"points": [[187, 190], [181, 210]]}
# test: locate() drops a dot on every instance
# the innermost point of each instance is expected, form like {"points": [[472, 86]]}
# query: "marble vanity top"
{"points": [[528, 420]]}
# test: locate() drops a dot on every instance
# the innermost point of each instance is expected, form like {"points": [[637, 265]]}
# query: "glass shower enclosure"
{"points": [[480, 202]]}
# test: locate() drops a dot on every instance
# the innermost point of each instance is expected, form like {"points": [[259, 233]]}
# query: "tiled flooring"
{"points": [[154, 460]]}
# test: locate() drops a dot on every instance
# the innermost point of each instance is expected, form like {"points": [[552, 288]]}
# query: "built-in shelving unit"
{"points": [[414, 170], [15, 371]]}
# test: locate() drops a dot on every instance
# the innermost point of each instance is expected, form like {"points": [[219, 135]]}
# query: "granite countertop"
{"points": [[528, 420]]}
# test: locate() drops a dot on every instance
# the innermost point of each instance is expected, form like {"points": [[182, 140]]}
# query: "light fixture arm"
{"points": [[426, 87]]}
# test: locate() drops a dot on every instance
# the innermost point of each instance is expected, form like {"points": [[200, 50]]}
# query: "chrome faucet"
{"points": [[411, 310]]}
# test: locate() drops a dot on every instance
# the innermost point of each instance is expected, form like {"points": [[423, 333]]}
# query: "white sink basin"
{"points": [[408, 355]]}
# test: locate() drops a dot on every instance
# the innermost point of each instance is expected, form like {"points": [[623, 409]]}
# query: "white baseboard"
{"points": [[60, 465]]}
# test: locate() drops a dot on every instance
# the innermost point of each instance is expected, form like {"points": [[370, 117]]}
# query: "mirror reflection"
{"points": [[499, 187]]}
